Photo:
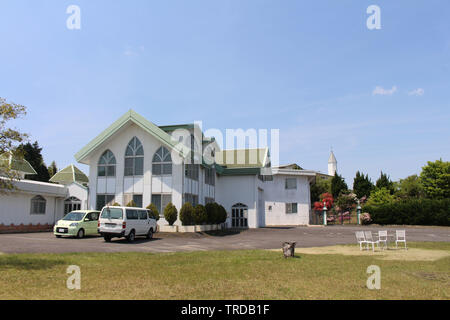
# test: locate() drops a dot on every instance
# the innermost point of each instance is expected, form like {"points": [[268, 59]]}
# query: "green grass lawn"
{"points": [[255, 274]]}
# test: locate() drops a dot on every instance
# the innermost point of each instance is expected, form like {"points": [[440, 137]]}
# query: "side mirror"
{"points": [[86, 220]]}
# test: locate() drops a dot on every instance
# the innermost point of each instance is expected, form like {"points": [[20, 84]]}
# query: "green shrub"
{"points": [[131, 204], [154, 213], [170, 213], [222, 215], [187, 214], [380, 196], [424, 212], [199, 215], [212, 211], [116, 204]]}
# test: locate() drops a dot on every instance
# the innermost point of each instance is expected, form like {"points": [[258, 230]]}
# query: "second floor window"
{"points": [[210, 176], [107, 165], [162, 162], [134, 158], [291, 183]]}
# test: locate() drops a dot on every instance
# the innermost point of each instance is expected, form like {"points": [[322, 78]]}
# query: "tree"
{"points": [[9, 138], [435, 179], [338, 185], [187, 214], [410, 187], [345, 202], [212, 212], [32, 153], [385, 182], [362, 185], [131, 204], [222, 215], [52, 170], [170, 213], [379, 197], [321, 186], [200, 214], [154, 213], [325, 199]]}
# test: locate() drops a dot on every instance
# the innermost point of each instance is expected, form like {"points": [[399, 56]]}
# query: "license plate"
{"points": [[112, 225], [61, 230]]}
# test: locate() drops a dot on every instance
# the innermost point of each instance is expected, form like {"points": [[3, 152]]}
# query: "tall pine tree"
{"points": [[362, 185], [32, 153], [385, 182], [53, 169], [338, 185]]}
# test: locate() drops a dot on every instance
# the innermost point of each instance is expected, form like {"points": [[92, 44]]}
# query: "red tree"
{"points": [[326, 198]]}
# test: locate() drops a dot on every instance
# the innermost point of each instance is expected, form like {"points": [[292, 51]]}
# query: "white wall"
{"points": [[231, 190], [80, 192], [277, 196], [15, 209]]}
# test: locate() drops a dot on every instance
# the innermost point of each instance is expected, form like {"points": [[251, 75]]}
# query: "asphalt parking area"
{"points": [[265, 238]]}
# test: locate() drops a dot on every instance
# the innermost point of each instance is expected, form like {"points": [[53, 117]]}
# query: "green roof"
{"points": [[69, 175], [131, 116], [21, 165], [243, 158], [171, 128]]}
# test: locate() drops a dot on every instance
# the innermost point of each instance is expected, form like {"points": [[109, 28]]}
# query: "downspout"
{"points": [[54, 212]]}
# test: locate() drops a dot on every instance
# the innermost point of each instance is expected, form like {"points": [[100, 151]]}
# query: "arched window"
{"points": [[38, 205], [134, 158], [72, 204], [107, 165], [239, 216], [162, 162]]}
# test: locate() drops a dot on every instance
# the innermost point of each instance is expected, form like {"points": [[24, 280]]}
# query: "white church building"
{"points": [[134, 159]]}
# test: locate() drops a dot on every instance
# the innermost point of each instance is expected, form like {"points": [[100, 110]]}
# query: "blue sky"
{"points": [[308, 68]]}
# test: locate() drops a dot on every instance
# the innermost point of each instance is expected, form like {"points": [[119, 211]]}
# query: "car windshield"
{"points": [[112, 213], [74, 216]]}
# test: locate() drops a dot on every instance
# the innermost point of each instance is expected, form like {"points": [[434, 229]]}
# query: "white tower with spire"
{"points": [[332, 164]]}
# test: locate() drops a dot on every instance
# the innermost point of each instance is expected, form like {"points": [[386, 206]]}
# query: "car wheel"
{"points": [[150, 234], [131, 236], [107, 239], [80, 234]]}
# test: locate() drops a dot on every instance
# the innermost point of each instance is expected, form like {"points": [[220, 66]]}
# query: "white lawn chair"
{"points": [[400, 236], [383, 238], [361, 239], [369, 240]]}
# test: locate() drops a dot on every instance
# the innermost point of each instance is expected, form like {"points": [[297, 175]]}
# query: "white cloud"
{"points": [[130, 52], [417, 92], [384, 92]]}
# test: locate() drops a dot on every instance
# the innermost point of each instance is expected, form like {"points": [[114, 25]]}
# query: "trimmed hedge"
{"points": [[425, 212], [200, 215], [154, 213], [187, 214], [170, 213]]}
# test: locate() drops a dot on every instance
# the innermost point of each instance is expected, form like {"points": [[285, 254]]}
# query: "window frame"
{"points": [[109, 164], [41, 203], [290, 208], [162, 159], [287, 187], [134, 145]]}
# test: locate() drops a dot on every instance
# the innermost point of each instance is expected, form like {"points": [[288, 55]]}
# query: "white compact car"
{"points": [[120, 222]]}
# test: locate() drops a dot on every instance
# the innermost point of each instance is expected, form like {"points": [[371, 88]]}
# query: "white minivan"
{"points": [[119, 222]]}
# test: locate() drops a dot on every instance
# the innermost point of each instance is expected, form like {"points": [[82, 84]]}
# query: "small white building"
{"points": [[36, 206], [134, 159]]}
